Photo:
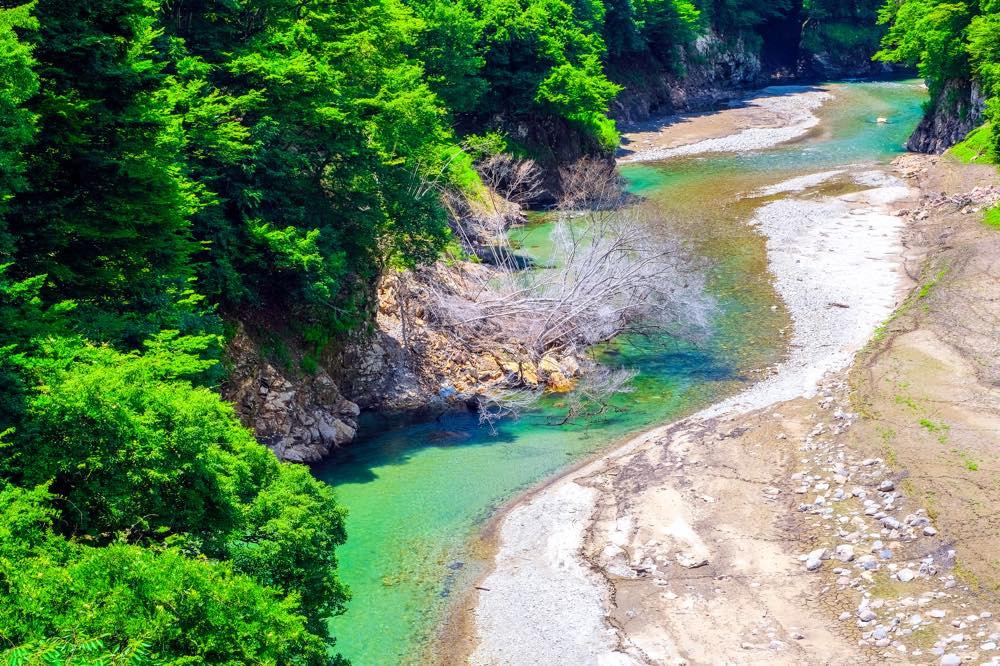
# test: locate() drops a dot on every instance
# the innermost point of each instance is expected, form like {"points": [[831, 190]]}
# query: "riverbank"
{"points": [[777, 535], [759, 120], [628, 520]]}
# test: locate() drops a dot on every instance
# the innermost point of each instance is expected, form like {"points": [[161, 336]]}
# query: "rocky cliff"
{"points": [[302, 417], [953, 113], [713, 71]]}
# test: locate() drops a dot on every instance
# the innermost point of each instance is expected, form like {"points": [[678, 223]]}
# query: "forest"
{"points": [[169, 168]]}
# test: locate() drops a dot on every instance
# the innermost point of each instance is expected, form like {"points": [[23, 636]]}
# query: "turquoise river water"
{"points": [[418, 492]]}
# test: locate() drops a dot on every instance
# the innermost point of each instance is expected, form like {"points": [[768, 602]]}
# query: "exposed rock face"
{"points": [[956, 111], [831, 66], [301, 419], [715, 71], [414, 363]]}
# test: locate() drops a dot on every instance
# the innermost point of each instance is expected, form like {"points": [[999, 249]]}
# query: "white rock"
{"points": [[689, 561], [844, 552]]}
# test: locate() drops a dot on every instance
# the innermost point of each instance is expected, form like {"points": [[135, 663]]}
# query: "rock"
{"points": [[905, 575], [867, 562], [929, 531], [887, 486], [866, 615], [951, 660], [954, 112], [937, 613], [689, 561], [815, 559], [301, 419], [844, 553]]}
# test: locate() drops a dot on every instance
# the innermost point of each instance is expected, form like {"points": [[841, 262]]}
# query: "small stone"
{"points": [[988, 646], [867, 562], [905, 575], [689, 561], [938, 613], [951, 660], [929, 531], [844, 552], [866, 615], [886, 486], [891, 523]]}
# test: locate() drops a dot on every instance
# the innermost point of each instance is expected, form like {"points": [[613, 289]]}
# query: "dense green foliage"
{"points": [[136, 511], [950, 41], [841, 26]]}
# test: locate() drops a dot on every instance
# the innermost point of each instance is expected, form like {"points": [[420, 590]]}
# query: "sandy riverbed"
{"points": [[549, 597], [771, 116]]}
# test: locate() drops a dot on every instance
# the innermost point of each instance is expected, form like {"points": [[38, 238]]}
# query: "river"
{"points": [[418, 492]]}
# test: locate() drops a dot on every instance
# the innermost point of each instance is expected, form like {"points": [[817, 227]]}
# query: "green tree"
{"points": [[18, 84], [123, 600], [929, 34], [105, 212]]}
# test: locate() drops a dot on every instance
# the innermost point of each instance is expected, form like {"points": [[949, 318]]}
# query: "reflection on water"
{"points": [[417, 490]]}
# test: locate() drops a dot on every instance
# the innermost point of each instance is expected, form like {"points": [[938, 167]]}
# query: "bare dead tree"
{"points": [[593, 394], [607, 272], [502, 404]]}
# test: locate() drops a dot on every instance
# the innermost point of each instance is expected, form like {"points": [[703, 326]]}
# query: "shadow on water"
{"points": [[390, 440]]}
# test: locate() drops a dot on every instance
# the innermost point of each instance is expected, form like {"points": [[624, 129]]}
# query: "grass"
{"points": [[887, 435], [925, 288], [976, 148], [966, 575], [992, 217]]}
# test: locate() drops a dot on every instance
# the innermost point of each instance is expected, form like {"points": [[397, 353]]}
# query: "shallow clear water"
{"points": [[418, 491]]}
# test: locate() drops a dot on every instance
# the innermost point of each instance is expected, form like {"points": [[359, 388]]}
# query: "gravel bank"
{"points": [[773, 116]]}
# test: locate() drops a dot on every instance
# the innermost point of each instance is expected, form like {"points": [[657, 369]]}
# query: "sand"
{"points": [[770, 117]]}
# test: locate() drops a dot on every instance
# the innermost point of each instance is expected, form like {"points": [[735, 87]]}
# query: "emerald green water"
{"points": [[417, 492]]}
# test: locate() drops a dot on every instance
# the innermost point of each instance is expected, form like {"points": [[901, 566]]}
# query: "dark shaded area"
{"points": [[782, 37]]}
